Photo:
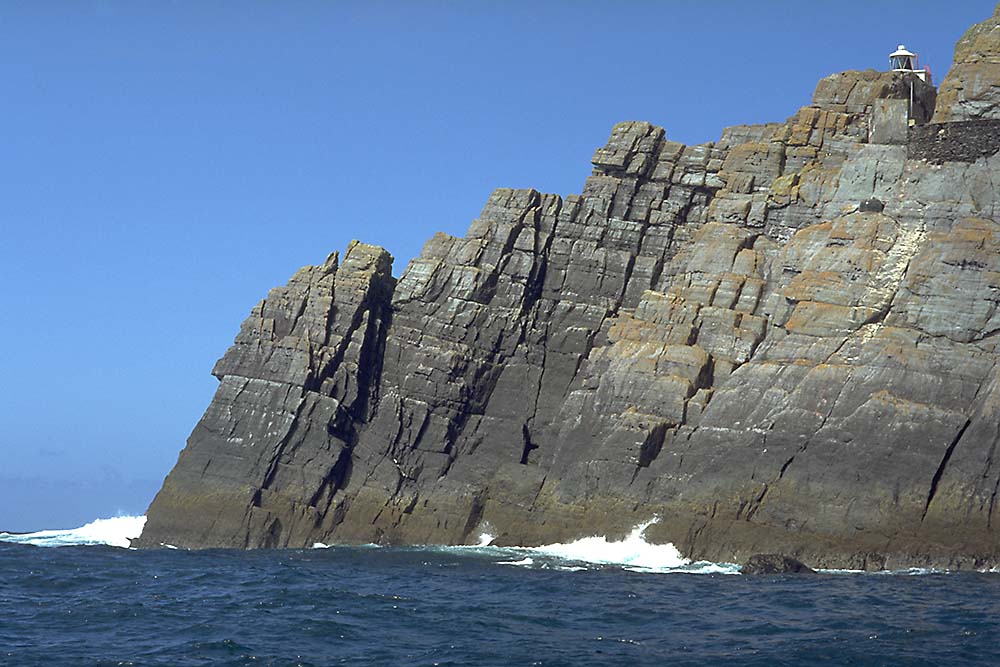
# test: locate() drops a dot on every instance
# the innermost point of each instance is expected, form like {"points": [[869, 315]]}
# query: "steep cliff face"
{"points": [[274, 447], [781, 341]]}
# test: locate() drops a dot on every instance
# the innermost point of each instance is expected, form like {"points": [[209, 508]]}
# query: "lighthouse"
{"points": [[909, 100], [904, 60]]}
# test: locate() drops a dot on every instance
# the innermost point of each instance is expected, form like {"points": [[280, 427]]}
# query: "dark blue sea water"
{"points": [[101, 605]]}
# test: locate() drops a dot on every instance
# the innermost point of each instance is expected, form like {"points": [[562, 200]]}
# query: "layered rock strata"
{"points": [[783, 341]]}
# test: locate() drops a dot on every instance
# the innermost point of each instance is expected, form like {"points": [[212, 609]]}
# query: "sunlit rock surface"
{"points": [[781, 342]]}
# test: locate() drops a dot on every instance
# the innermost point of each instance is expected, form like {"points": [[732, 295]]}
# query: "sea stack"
{"points": [[785, 341]]}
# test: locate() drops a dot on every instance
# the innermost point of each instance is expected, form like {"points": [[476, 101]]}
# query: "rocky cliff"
{"points": [[782, 341]]}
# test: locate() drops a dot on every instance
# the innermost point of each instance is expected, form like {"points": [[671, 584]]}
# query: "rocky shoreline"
{"points": [[730, 337]]}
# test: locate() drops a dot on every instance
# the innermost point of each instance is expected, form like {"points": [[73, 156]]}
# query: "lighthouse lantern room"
{"points": [[903, 60]]}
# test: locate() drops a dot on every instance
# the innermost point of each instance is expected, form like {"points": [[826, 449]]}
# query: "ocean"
{"points": [[72, 598]]}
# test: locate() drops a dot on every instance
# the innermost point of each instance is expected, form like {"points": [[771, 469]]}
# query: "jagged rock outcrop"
{"points": [[783, 341], [274, 447], [970, 92]]}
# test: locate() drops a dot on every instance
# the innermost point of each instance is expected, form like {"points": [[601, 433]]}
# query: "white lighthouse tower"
{"points": [[903, 60]]}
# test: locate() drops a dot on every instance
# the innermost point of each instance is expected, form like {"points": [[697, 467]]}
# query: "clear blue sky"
{"points": [[163, 164]]}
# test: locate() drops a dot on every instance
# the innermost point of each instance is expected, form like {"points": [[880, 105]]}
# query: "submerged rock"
{"points": [[775, 564], [716, 334]]}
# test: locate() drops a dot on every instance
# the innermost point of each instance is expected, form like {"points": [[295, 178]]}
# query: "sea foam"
{"points": [[632, 553], [115, 532]]}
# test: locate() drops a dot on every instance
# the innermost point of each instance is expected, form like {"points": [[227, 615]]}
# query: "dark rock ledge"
{"points": [[775, 564]]}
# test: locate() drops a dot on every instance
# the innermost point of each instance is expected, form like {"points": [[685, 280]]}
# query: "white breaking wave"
{"points": [[321, 545], [633, 553], [528, 560], [114, 532]]}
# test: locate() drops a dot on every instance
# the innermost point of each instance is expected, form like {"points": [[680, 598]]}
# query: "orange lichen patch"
{"points": [[805, 286], [825, 319]]}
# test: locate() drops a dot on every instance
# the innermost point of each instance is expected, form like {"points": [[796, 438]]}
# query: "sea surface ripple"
{"points": [[100, 605]]}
